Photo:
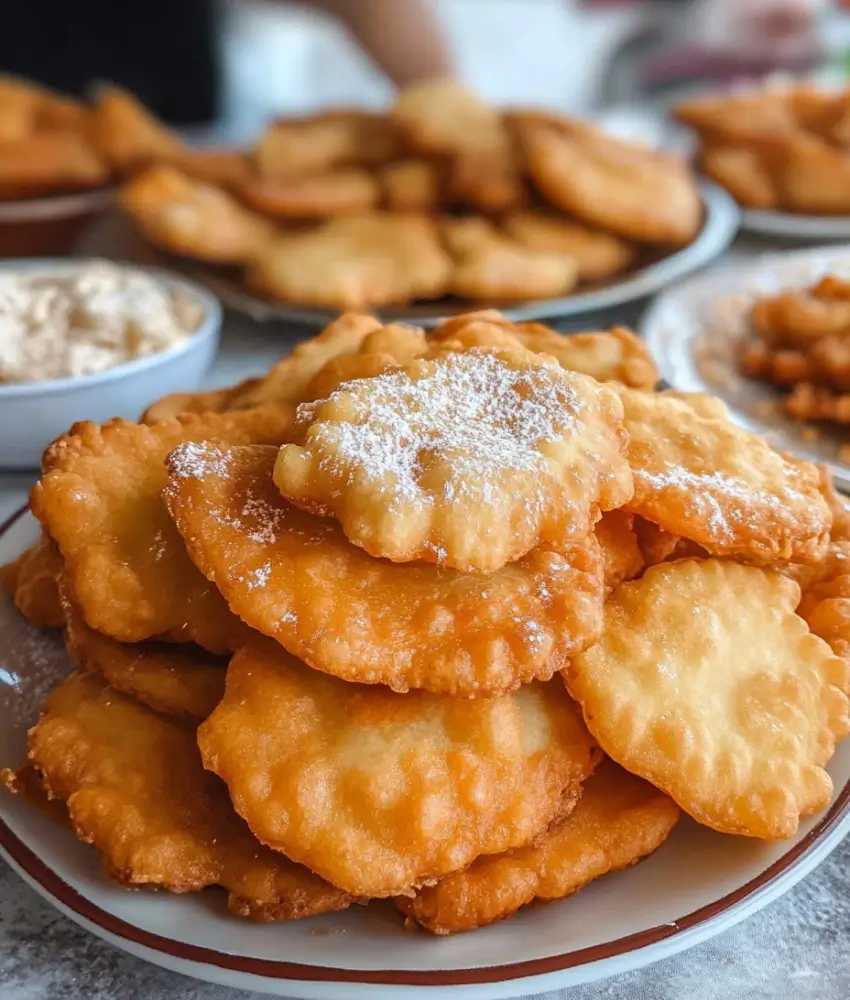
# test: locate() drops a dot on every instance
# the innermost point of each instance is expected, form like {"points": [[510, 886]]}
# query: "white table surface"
{"points": [[796, 949]]}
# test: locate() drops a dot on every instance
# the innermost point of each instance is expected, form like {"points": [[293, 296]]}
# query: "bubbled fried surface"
{"points": [[707, 684], [721, 487], [136, 790], [125, 565], [469, 460], [296, 578], [379, 792], [618, 820]]}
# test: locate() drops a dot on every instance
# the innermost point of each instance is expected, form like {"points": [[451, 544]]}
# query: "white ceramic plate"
{"points": [[722, 218], [812, 228], [698, 884], [694, 331]]}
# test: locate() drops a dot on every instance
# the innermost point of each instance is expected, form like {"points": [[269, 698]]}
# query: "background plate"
{"points": [[796, 227], [696, 885], [722, 219], [694, 331]]}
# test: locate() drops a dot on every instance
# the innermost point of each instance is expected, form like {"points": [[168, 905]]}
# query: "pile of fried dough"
{"points": [[53, 144], [778, 147], [801, 341], [442, 196], [462, 620]]}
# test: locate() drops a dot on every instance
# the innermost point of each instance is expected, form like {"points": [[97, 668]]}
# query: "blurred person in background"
{"points": [[197, 61], [167, 52]]}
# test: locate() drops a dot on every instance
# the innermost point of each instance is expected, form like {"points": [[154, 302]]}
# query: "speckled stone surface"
{"points": [[798, 948]]}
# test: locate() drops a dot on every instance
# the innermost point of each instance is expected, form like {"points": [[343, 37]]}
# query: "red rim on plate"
{"points": [[55, 886]]}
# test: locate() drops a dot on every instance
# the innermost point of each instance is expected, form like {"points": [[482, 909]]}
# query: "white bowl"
{"points": [[32, 414]]}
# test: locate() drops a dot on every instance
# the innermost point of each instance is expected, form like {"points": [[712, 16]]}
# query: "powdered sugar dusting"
{"points": [[191, 460], [473, 414], [709, 495]]}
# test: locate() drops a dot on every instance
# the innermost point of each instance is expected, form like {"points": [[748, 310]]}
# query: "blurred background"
{"points": [[225, 66]]}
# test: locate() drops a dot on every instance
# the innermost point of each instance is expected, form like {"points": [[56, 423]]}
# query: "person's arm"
{"points": [[404, 37]]}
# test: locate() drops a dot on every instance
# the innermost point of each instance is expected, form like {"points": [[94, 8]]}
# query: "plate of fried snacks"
{"points": [[772, 340], [441, 202], [357, 661], [782, 151]]}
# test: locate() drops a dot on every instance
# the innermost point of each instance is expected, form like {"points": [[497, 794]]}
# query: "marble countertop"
{"points": [[798, 948]]}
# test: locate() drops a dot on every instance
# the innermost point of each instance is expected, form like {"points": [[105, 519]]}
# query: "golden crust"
{"points": [[618, 820], [31, 582], [434, 470], [125, 564], [725, 701], [723, 488], [135, 789], [626, 189], [622, 558], [297, 579], [354, 262], [287, 381], [339, 192], [183, 681], [193, 219], [598, 255], [126, 134], [379, 792]]}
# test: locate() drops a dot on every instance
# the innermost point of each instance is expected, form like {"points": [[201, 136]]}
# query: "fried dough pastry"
{"points": [[616, 355], [469, 460], [379, 792], [655, 544], [799, 318], [298, 147], [19, 102], [178, 403], [619, 820], [31, 582], [125, 564], [488, 265], [781, 366], [383, 350], [183, 681], [51, 162], [136, 790], [621, 555], [702, 403], [296, 578], [338, 192], [412, 186], [721, 487], [126, 134], [599, 256], [442, 118], [355, 262], [225, 168], [193, 219], [810, 175], [818, 403], [287, 381], [740, 170], [707, 684], [738, 117], [626, 189]]}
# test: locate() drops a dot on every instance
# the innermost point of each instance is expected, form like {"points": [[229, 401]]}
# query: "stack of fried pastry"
{"points": [[462, 620], [53, 144], [442, 196], [800, 341], [779, 147]]}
